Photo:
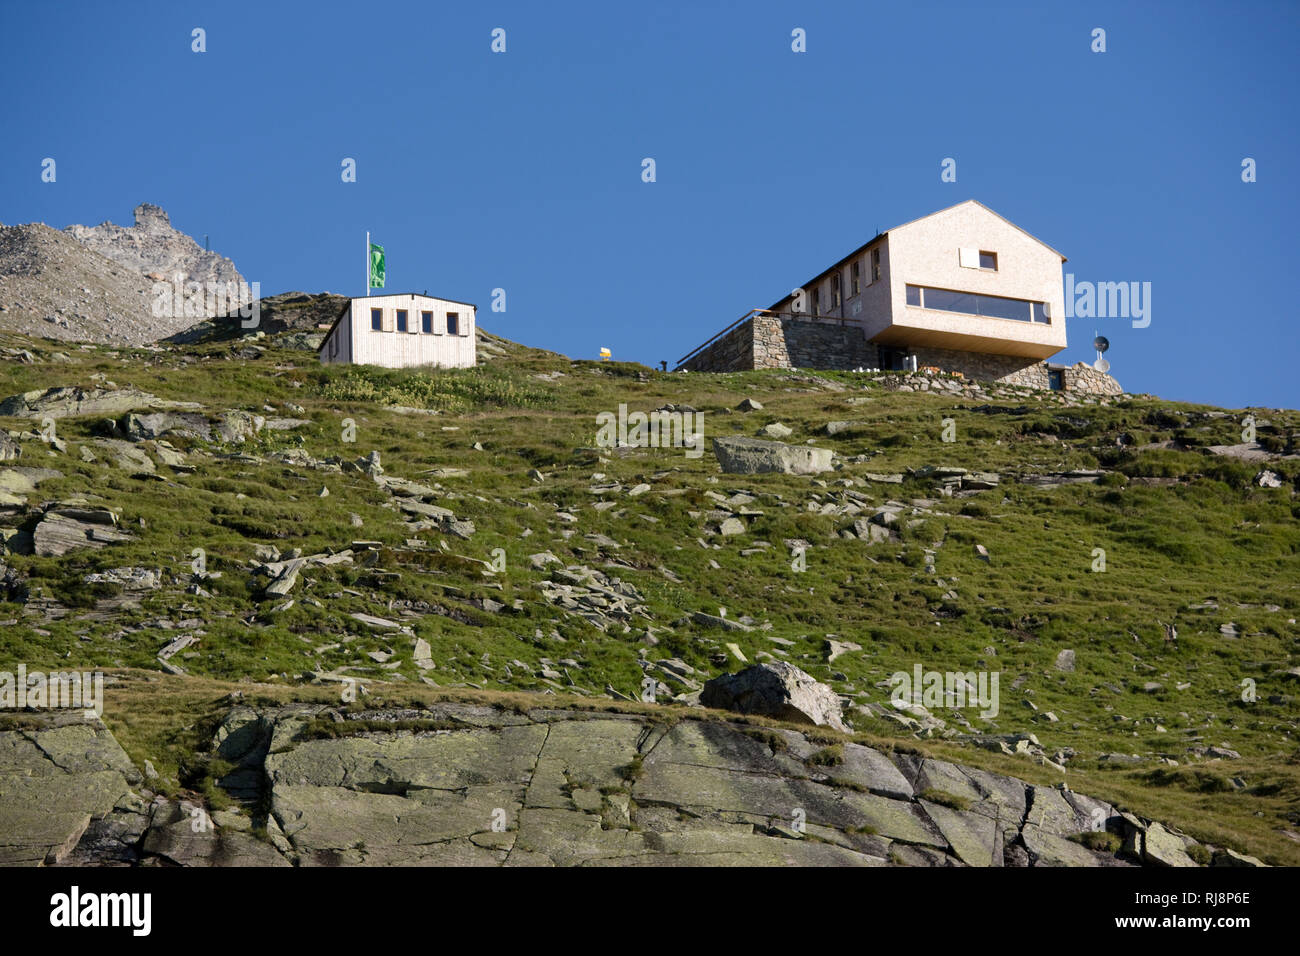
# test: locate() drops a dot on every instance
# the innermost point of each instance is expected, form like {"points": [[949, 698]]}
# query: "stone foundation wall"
{"points": [[767, 341], [985, 367], [1081, 377], [808, 343]]}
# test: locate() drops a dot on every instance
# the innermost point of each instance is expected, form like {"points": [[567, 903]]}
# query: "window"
{"points": [[835, 291], [453, 323], [426, 323], [989, 261], [875, 265], [376, 320], [402, 324], [817, 301], [855, 279], [970, 303]]}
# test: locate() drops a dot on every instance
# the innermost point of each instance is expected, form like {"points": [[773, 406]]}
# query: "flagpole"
{"points": [[367, 263]]}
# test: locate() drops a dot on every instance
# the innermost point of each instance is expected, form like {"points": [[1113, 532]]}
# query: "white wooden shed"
{"points": [[402, 331]]}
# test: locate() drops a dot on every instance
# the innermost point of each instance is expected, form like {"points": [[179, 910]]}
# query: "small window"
{"points": [[817, 301], [875, 265], [402, 324], [376, 320], [989, 261], [855, 279], [426, 323], [835, 291], [914, 295], [453, 323]]}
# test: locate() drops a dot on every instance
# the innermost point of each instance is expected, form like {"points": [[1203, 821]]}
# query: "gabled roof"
{"points": [[881, 235], [976, 202]]}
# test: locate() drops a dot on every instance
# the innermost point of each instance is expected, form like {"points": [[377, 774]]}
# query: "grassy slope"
{"points": [[1167, 549]]}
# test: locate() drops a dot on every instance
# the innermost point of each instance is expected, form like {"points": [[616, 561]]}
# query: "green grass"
{"points": [[1212, 534]]}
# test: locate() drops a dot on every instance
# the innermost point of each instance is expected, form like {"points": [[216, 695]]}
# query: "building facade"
{"points": [[962, 290], [402, 331]]}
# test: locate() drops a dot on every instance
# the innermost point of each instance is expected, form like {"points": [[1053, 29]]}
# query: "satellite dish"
{"points": [[1101, 365], [1100, 343]]}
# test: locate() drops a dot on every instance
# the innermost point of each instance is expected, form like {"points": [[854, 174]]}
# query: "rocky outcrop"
{"points": [[54, 780], [151, 245], [777, 690], [473, 784], [97, 283], [73, 400], [748, 456]]}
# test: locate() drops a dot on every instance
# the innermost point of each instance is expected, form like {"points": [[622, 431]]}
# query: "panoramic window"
{"points": [[376, 320], [989, 260], [402, 325], [426, 323], [453, 323], [970, 303]]}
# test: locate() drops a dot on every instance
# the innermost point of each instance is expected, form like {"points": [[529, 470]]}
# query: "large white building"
{"points": [[961, 290], [402, 331]]}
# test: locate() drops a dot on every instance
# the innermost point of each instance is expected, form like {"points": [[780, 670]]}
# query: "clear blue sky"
{"points": [[522, 170]]}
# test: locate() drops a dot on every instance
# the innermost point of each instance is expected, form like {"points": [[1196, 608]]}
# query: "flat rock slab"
{"points": [[53, 783]]}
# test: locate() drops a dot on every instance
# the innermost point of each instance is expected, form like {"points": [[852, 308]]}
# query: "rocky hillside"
{"points": [[374, 545], [94, 283]]}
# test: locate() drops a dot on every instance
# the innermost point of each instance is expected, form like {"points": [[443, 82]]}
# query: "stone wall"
{"points": [[767, 341], [1084, 378], [985, 367]]}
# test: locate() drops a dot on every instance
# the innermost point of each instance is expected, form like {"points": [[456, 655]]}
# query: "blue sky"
{"points": [[522, 170]]}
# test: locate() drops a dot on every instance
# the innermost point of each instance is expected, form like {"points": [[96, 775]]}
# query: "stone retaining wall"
{"points": [[767, 341]]}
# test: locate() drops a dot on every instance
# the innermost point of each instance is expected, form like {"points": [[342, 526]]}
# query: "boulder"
{"points": [[837, 428], [748, 456], [776, 689], [158, 424]]}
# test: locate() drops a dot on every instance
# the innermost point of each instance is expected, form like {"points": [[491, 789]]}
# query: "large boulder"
{"points": [[739, 455], [779, 690]]}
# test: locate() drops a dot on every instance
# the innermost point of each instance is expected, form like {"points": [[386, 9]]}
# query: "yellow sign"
{"points": [[605, 355]]}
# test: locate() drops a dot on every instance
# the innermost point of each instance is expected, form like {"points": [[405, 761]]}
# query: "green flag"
{"points": [[376, 266]]}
